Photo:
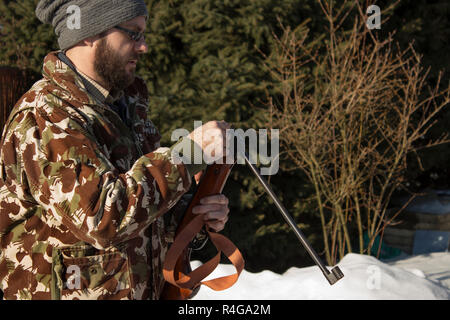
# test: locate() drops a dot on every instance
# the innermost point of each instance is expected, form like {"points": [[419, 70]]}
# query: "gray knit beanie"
{"points": [[75, 20]]}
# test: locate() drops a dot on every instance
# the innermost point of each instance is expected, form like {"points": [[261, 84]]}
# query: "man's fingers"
{"points": [[219, 210], [215, 199], [216, 215], [215, 210], [217, 225]]}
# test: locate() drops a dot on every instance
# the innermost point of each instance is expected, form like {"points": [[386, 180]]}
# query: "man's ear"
{"points": [[89, 42]]}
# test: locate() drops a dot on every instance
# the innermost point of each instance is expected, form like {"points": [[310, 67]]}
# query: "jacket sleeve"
{"points": [[54, 163]]}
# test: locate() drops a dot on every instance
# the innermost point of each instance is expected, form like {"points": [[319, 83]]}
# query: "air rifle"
{"points": [[183, 283]]}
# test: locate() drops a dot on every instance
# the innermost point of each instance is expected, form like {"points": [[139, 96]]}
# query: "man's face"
{"points": [[116, 55]]}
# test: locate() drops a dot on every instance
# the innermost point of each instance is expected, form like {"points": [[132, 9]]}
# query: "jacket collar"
{"points": [[79, 86]]}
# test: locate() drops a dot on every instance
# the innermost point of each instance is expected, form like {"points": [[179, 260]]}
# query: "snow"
{"points": [[424, 277]]}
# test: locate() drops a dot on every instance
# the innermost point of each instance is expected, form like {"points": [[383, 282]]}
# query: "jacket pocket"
{"points": [[85, 273]]}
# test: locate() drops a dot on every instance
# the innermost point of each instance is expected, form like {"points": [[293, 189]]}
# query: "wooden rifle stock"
{"points": [[181, 282]]}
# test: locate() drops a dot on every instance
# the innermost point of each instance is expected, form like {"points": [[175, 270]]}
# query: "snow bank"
{"points": [[365, 278]]}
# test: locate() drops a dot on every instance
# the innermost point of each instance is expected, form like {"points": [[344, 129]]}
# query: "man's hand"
{"points": [[215, 210], [212, 138]]}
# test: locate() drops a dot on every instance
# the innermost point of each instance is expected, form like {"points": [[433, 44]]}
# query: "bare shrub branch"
{"points": [[353, 107]]}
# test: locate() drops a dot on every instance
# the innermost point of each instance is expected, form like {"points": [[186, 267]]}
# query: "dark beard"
{"points": [[111, 67]]}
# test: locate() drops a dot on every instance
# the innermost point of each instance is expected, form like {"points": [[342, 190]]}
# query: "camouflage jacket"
{"points": [[82, 196]]}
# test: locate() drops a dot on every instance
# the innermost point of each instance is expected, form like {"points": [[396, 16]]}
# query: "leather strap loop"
{"points": [[195, 278]]}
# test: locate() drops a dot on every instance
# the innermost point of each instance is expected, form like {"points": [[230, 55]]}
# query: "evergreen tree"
{"points": [[24, 40], [204, 61]]}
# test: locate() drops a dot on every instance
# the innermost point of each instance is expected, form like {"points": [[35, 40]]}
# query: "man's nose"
{"points": [[142, 46]]}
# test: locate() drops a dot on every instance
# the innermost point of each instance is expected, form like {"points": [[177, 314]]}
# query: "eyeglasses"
{"points": [[134, 35]]}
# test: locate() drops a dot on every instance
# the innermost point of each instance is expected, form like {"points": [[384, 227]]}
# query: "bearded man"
{"points": [[89, 201]]}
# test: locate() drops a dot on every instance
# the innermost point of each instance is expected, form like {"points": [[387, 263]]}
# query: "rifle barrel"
{"points": [[335, 274]]}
